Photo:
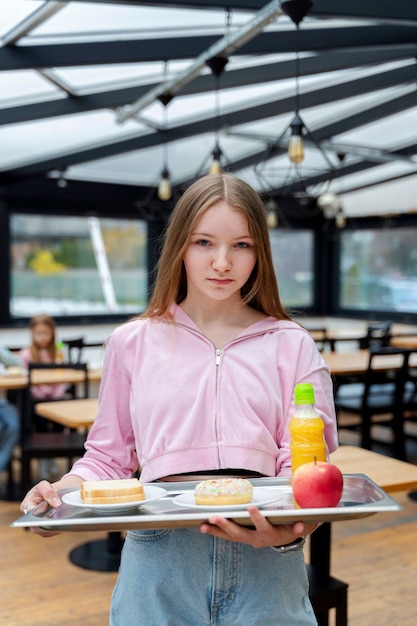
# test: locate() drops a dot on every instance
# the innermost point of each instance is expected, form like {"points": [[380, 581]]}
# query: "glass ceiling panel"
{"points": [[383, 172], [97, 78], [14, 11], [392, 131], [24, 87], [384, 199], [36, 140], [78, 21]]}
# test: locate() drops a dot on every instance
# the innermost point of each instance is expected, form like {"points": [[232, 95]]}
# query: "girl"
{"points": [[202, 385], [43, 349]]}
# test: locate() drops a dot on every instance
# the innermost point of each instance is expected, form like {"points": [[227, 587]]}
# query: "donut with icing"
{"points": [[223, 491]]}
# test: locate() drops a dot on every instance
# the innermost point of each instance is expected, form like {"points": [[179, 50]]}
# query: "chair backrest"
{"points": [[386, 376], [378, 334], [82, 367], [74, 349], [28, 401], [411, 382]]}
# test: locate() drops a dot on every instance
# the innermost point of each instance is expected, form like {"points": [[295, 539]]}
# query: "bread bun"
{"points": [[111, 491], [223, 491]]}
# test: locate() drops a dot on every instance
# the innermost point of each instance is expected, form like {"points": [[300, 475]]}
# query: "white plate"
{"points": [[261, 497], [151, 494]]}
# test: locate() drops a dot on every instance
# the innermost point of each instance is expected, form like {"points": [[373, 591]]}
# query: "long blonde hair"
{"points": [[261, 290]]}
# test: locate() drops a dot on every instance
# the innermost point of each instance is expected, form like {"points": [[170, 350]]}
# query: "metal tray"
{"points": [[361, 498]]}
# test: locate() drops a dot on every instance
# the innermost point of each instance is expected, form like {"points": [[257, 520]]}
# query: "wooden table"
{"points": [[42, 377], [399, 335], [405, 341], [78, 413], [338, 334], [388, 473], [356, 362]]}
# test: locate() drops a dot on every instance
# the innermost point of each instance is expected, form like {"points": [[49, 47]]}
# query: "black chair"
{"points": [[410, 398], [39, 445], [381, 399], [326, 593], [377, 335], [74, 349]]}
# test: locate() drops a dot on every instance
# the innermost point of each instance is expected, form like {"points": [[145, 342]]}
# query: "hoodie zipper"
{"points": [[218, 357], [217, 361]]}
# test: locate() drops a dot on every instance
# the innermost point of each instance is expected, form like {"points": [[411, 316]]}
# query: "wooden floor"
{"points": [[40, 586], [376, 555]]}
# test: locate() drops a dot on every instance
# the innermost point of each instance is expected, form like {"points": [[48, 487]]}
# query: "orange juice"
{"points": [[306, 428]]}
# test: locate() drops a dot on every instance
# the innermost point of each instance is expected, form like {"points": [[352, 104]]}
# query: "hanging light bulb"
{"points": [[271, 213], [340, 219], [216, 166], [296, 144], [329, 203], [165, 187]]}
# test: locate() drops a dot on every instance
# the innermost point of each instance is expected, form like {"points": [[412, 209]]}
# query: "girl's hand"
{"points": [[264, 534], [46, 493]]}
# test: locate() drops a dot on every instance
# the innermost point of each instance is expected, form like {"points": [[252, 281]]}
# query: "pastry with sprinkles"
{"points": [[223, 491]]}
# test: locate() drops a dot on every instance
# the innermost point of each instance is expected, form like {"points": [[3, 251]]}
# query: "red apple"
{"points": [[317, 485]]}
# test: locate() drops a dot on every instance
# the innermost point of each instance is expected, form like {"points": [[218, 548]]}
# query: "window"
{"points": [[77, 265], [293, 257], [378, 270]]}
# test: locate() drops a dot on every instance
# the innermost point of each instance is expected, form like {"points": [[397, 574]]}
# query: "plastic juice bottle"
{"points": [[306, 428]]}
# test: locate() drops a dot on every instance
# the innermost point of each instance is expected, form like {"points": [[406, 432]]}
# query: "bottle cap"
{"points": [[304, 393]]}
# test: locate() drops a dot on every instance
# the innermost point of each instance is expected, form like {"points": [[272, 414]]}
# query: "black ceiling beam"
{"points": [[267, 72], [248, 5], [366, 116], [386, 10], [102, 53], [400, 10]]}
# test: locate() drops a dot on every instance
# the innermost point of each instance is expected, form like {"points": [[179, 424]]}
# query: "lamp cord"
{"points": [[165, 145], [297, 70], [217, 109], [165, 124]]}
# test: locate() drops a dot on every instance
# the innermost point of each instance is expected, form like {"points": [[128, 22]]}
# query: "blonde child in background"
{"points": [[43, 349]]}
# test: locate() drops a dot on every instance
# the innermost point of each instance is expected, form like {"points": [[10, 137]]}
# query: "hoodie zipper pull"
{"points": [[218, 356]]}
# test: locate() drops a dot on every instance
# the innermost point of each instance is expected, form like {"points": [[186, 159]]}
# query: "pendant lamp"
{"points": [[217, 65], [296, 10], [165, 186], [290, 178]]}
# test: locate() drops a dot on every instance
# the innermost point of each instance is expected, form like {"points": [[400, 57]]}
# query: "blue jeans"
{"points": [[180, 577], [9, 431]]}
